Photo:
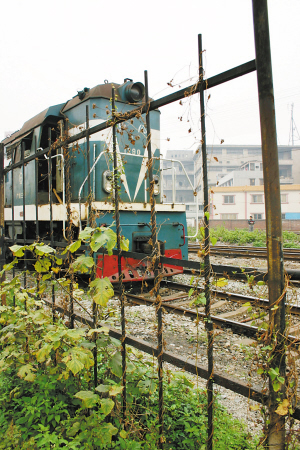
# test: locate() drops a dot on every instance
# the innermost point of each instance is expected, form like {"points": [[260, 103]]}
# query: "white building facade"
{"points": [[241, 202]]}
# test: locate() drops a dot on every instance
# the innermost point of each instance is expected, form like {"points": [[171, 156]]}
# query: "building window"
{"points": [[283, 216], [284, 198], [252, 166], [261, 166], [257, 198], [187, 207], [229, 216], [201, 207], [257, 216], [228, 199], [261, 181], [252, 181]]}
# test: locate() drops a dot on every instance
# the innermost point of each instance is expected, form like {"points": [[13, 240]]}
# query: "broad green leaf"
{"points": [[43, 353], [261, 283], [18, 250], [213, 240], [78, 358], [74, 365], [206, 214], [26, 372], [75, 333], [115, 390], [47, 276], [42, 249], [83, 264], [88, 397], [106, 406], [42, 265], [104, 330], [115, 364], [123, 434], [101, 290], [74, 246], [86, 233], [124, 244], [221, 282], [103, 388]]}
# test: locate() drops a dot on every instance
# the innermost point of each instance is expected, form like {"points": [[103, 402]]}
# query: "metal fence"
{"points": [[276, 434]]}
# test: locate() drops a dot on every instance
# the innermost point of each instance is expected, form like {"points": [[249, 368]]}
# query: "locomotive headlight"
{"points": [[134, 92], [107, 181], [156, 189]]}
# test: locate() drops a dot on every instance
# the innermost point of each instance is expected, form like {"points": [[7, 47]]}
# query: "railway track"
{"points": [[292, 254], [175, 299]]}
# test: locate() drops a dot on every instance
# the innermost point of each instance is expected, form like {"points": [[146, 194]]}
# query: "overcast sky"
{"points": [[50, 50]]}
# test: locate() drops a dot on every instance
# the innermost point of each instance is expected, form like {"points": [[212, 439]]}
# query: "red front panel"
{"points": [[134, 269]]}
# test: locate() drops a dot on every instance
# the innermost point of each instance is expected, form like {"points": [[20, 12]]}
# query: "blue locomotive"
{"points": [[90, 166]]}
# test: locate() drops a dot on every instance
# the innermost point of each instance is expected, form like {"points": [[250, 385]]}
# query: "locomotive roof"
{"points": [[53, 112], [100, 91]]}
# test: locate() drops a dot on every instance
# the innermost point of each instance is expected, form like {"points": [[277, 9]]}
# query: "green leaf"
{"points": [[26, 372], [86, 233], [104, 330], [103, 388], [191, 291], [101, 290], [261, 283], [115, 390], [43, 353], [213, 240], [206, 214], [18, 250], [42, 249], [83, 264], [74, 246], [106, 238], [106, 406], [221, 282], [88, 397], [115, 364], [124, 244]]}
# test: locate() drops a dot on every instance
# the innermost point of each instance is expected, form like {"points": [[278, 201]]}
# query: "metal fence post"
{"points": [[208, 323], [120, 275], [155, 260], [276, 331], [2, 199]]}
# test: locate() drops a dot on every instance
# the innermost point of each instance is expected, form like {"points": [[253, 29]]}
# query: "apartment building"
{"points": [[241, 202]]}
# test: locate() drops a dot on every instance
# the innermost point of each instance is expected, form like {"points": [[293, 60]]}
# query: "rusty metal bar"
{"points": [[120, 275], [276, 331], [208, 321], [88, 165], [24, 218], [50, 187], [67, 159], [2, 224], [157, 276]]}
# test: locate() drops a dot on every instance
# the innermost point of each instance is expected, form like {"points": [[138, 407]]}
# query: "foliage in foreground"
{"points": [[47, 400], [47, 394], [240, 236]]}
